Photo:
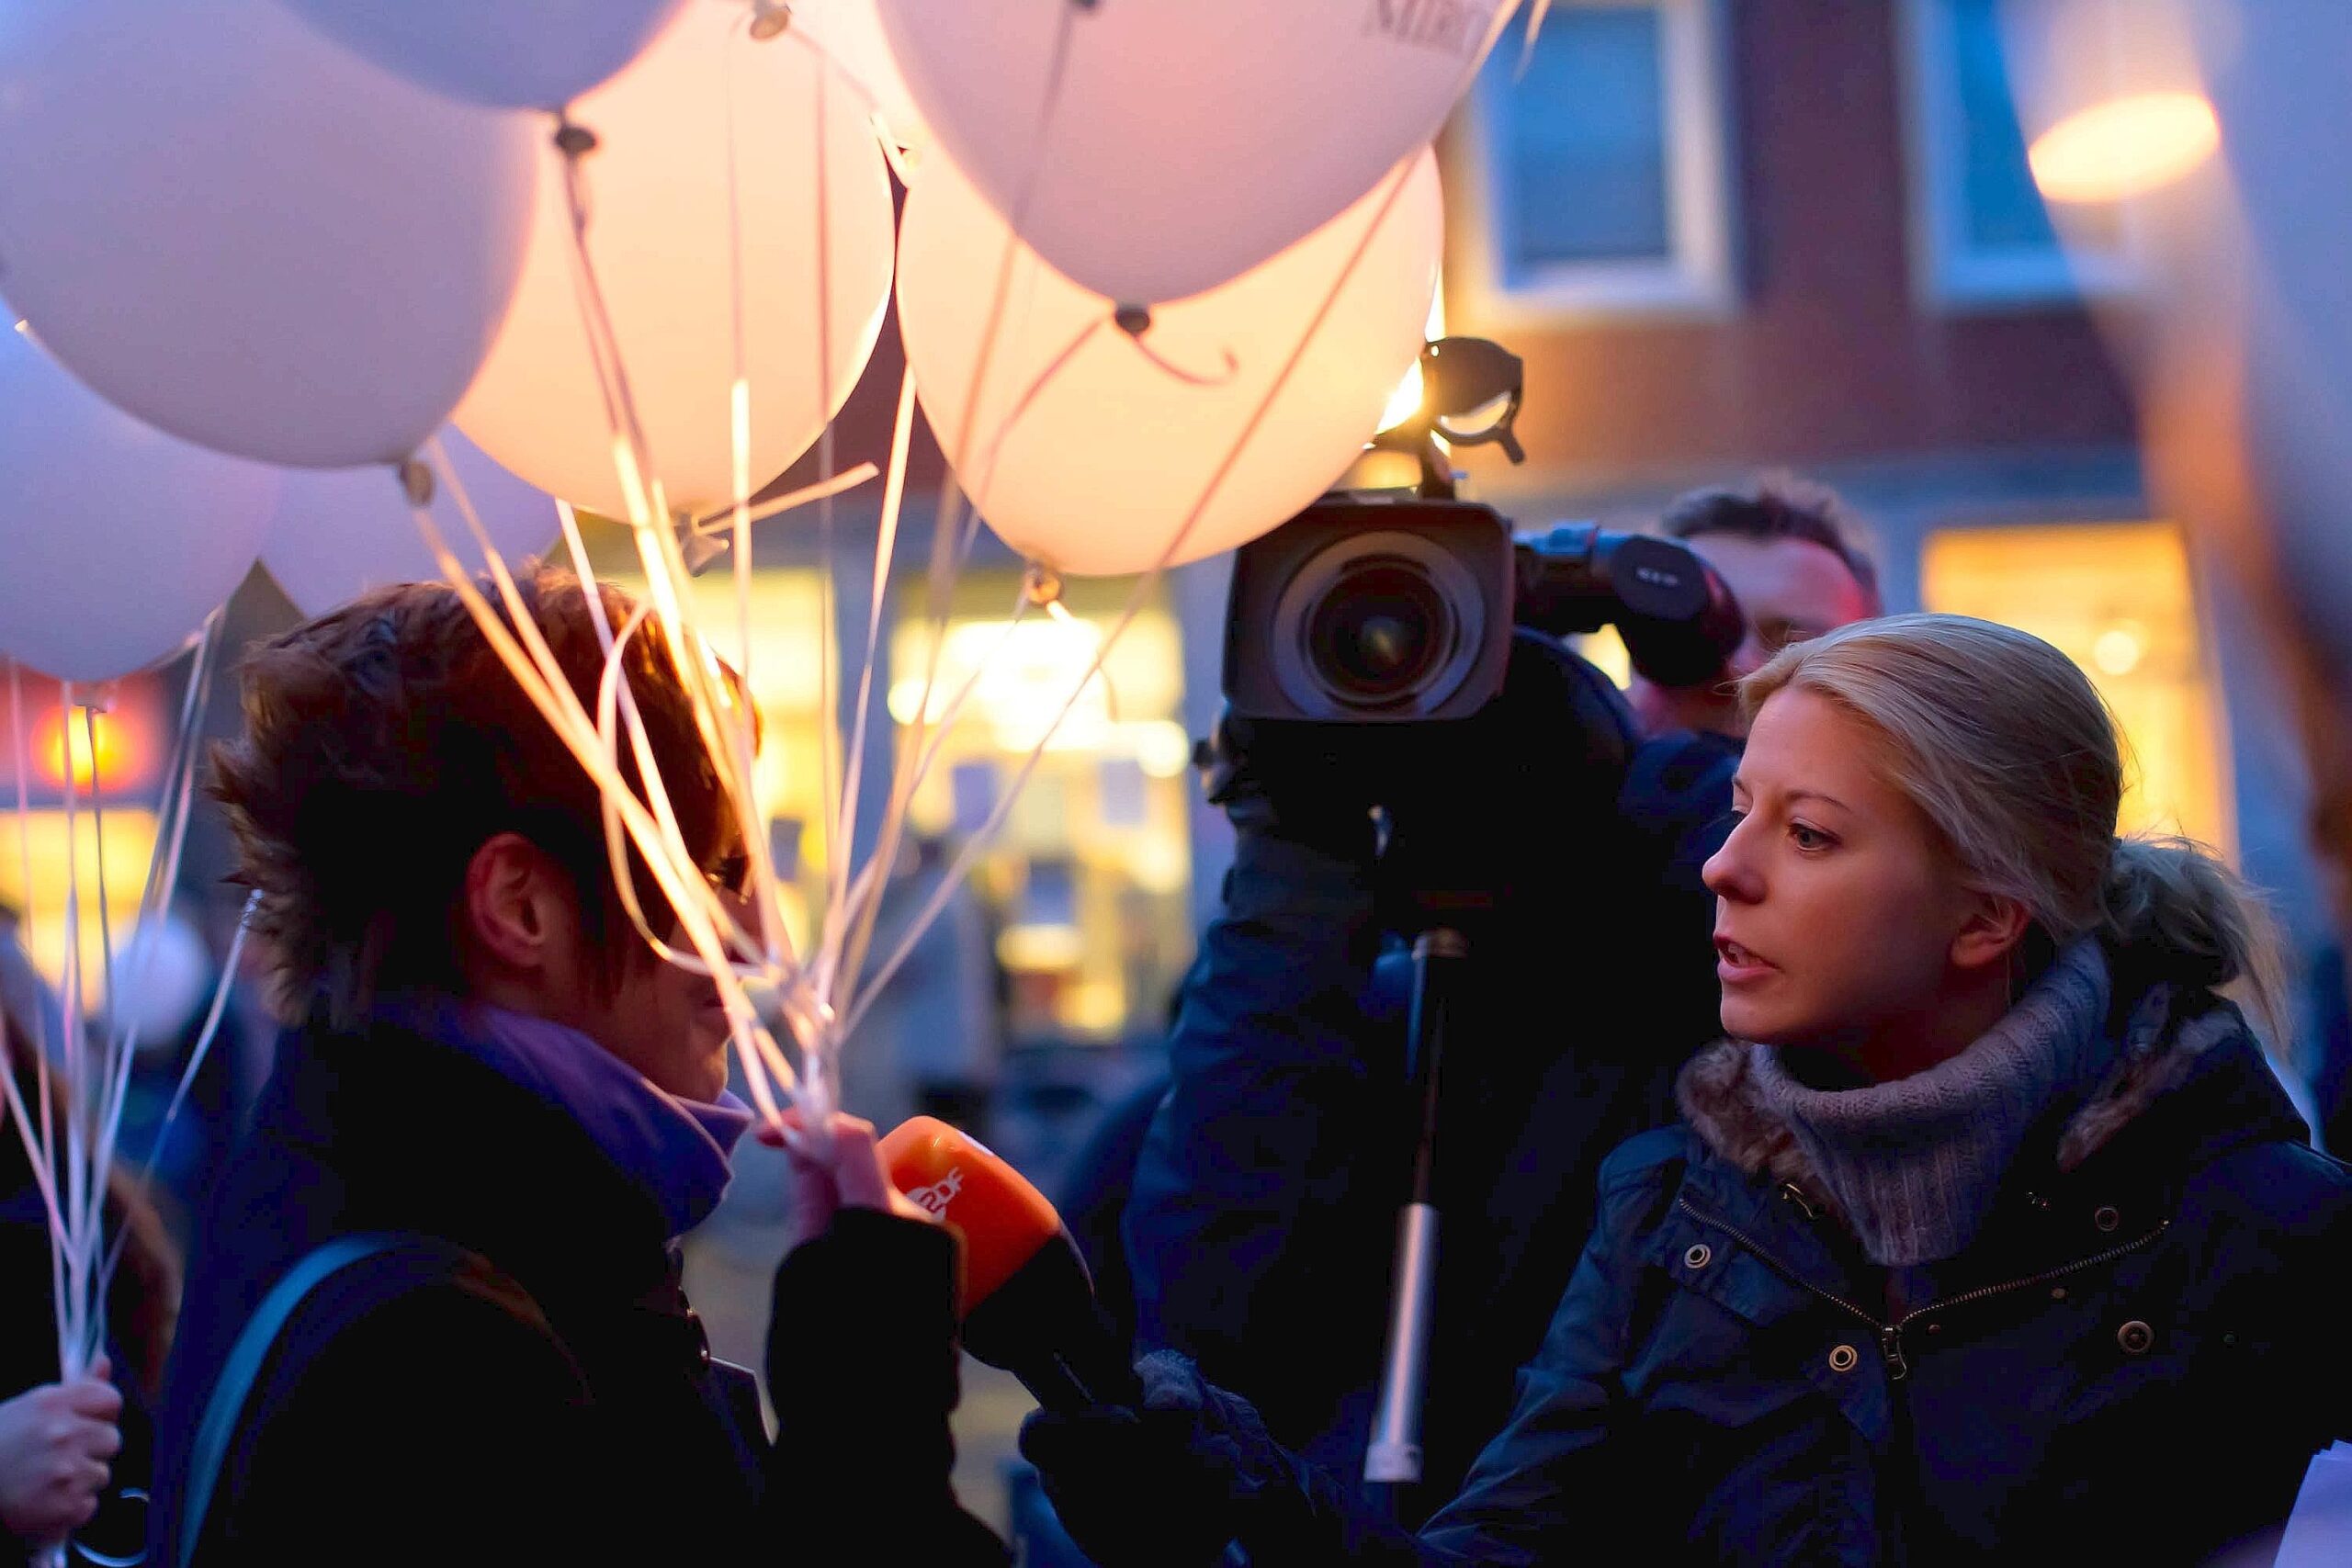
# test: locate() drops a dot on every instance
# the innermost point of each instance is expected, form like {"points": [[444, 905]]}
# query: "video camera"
{"points": [[1395, 605]]}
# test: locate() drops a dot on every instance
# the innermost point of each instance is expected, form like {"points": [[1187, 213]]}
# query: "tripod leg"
{"points": [[1394, 1460]]}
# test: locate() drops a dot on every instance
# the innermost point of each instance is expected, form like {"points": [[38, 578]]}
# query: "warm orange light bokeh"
{"points": [[118, 759], [2124, 147]]}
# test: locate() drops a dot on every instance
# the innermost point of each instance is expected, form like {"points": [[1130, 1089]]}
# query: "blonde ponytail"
{"points": [[2172, 904]]}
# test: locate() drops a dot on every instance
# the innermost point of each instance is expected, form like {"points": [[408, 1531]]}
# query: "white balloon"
{"points": [[2273, 66], [119, 539], [850, 32], [337, 532], [658, 235], [1093, 463], [531, 54], [248, 236], [1186, 140], [163, 978]]}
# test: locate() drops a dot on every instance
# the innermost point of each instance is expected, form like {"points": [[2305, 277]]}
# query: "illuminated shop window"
{"points": [[1088, 882], [2117, 599]]}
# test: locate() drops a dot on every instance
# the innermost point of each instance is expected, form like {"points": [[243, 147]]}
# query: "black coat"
{"points": [[2133, 1362], [559, 1402], [2138, 1356], [1261, 1229]]}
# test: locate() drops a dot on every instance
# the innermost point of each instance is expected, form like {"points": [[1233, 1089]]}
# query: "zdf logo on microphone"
{"points": [[933, 1200]]}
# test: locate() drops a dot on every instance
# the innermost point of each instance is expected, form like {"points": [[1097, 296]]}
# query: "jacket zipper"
{"points": [[1890, 1335]]}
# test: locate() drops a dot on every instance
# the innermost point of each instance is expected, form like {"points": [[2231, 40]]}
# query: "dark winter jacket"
{"points": [[554, 1399], [2133, 1362], [1263, 1227]]}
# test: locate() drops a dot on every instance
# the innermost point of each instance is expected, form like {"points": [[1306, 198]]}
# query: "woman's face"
{"points": [[1840, 923]]}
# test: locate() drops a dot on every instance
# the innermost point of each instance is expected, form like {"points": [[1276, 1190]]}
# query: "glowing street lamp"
{"points": [[2124, 147], [2109, 96]]}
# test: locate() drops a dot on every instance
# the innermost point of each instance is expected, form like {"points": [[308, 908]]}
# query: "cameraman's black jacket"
{"points": [[1261, 1228]]}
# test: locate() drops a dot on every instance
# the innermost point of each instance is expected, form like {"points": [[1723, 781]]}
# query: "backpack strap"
{"points": [[427, 1261]]}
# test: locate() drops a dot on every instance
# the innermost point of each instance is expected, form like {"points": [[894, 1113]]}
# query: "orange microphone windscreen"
{"points": [[1002, 1219]]}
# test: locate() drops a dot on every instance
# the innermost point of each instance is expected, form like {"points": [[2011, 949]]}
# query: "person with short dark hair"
{"points": [[1788, 551], [491, 1067]]}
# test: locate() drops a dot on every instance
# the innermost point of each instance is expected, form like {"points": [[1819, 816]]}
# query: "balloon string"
{"points": [[954, 534], [45, 1046], [767, 1058], [840, 484], [893, 151], [77, 1063], [1539, 11], [1231, 367], [615, 833], [657, 547], [739, 384], [1144, 586], [1054, 368], [843, 960], [108, 1111], [195, 1060], [516, 639], [552, 674], [768, 906], [951, 711], [521, 647], [946, 523], [886, 538], [824, 1060]]}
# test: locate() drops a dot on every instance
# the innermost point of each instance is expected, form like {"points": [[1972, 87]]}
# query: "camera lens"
{"points": [[1379, 628], [1384, 624]]}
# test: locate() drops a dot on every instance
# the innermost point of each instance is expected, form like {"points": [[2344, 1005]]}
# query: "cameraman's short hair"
{"points": [[385, 742], [1778, 506]]}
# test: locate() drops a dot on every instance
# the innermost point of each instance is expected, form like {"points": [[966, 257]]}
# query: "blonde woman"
{"points": [[1988, 1234]]}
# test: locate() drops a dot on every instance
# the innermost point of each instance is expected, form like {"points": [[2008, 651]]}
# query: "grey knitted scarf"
{"points": [[1913, 1164]]}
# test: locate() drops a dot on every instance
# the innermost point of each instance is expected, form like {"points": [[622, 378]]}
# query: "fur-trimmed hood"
{"points": [[2169, 1037]]}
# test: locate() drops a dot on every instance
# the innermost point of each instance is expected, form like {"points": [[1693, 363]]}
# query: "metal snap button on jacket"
{"points": [[2135, 1338], [2107, 1217], [1698, 1256], [1844, 1358]]}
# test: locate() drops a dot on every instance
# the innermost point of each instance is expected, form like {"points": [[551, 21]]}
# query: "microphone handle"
{"points": [[1044, 1326]]}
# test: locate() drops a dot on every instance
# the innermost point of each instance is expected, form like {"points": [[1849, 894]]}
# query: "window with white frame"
{"points": [[1597, 163], [1981, 238]]}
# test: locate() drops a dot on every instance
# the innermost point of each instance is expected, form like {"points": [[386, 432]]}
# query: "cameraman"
{"points": [[1262, 1221], [1787, 549]]}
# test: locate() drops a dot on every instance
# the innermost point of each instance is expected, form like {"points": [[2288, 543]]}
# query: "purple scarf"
{"points": [[675, 1150]]}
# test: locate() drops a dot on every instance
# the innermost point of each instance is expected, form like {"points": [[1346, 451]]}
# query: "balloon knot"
{"points": [[575, 140], [417, 482], [1041, 585], [1132, 319], [770, 18], [697, 547]]}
